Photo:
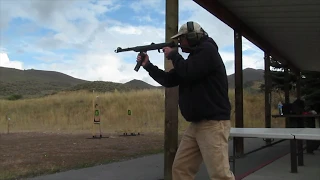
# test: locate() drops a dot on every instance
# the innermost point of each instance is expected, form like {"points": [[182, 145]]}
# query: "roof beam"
{"points": [[226, 16]]}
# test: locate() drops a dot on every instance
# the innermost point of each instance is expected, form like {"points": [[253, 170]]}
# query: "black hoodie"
{"points": [[202, 80]]}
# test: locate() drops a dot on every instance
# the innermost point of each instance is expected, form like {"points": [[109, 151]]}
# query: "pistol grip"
{"points": [[138, 65]]}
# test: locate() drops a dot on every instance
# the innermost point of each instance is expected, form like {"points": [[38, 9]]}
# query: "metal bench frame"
{"points": [[292, 134]]}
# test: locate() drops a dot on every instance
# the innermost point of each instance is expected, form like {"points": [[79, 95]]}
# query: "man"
{"points": [[203, 101]]}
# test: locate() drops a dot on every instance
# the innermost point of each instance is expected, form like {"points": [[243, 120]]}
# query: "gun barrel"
{"points": [[146, 48], [119, 49]]}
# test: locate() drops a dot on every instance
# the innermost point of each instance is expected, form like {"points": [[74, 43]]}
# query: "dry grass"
{"points": [[57, 126], [73, 112]]}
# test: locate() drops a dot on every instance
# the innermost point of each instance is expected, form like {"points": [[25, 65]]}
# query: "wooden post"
{"points": [[267, 97], [8, 124], [298, 85], [96, 118], [171, 95], [286, 92], [238, 89], [286, 85], [93, 127]]}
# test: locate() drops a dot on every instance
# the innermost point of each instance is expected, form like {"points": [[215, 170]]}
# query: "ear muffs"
{"points": [[192, 36]]}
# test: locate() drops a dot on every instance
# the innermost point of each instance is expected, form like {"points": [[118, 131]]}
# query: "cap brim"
{"points": [[177, 35]]}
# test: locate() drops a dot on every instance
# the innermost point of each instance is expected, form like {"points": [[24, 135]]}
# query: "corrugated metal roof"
{"points": [[292, 27]]}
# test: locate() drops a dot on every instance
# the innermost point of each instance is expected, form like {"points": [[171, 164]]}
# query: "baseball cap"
{"points": [[184, 29]]}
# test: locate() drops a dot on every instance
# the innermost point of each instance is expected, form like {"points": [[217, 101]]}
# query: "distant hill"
{"points": [[138, 84], [37, 83], [250, 77], [16, 75], [105, 86], [33, 83]]}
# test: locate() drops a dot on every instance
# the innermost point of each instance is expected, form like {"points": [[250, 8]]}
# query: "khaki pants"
{"points": [[204, 141]]}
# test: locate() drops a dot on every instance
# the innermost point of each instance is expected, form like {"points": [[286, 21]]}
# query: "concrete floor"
{"points": [[280, 169], [151, 167]]}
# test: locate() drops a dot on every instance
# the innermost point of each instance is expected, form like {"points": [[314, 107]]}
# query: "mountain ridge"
{"points": [[37, 83]]}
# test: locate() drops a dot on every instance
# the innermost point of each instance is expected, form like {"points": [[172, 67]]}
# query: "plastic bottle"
{"points": [[280, 108]]}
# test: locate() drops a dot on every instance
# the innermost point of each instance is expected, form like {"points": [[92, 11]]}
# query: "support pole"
{"points": [[298, 85], [97, 117], [171, 95], [267, 91], [238, 89], [286, 92], [8, 124]]}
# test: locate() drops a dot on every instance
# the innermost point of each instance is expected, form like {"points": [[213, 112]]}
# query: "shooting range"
{"points": [[263, 24], [67, 130], [286, 31]]}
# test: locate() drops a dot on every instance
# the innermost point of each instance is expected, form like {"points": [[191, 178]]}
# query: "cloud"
{"points": [[79, 38], [141, 6], [5, 62], [248, 61]]}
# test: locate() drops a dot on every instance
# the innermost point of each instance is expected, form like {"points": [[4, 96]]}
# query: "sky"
{"points": [[78, 37]]}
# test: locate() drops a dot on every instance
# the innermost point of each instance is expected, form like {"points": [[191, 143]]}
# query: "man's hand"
{"points": [[145, 60], [166, 51]]}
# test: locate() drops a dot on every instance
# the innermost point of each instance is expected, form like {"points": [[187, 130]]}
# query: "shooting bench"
{"points": [[292, 134]]}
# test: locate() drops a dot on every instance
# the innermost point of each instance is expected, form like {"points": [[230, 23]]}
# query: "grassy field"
{"points": [[52, 134], [73, 112]]}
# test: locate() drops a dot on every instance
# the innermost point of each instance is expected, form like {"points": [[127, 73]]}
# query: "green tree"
{"points": [[310, 84], [310, 89], [278, 77]]}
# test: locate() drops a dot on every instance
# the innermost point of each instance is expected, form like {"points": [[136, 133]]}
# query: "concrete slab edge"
{"points": [[260, 166]]}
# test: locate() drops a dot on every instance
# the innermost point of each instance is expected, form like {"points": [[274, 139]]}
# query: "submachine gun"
{"points": [[142, 49]]}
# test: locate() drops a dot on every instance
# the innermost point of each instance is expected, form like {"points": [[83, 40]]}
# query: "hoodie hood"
{"points": [[205, 39], [208, 39]]}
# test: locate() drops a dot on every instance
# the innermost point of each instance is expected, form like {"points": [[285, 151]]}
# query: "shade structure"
{"points": [[288, 29]]}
